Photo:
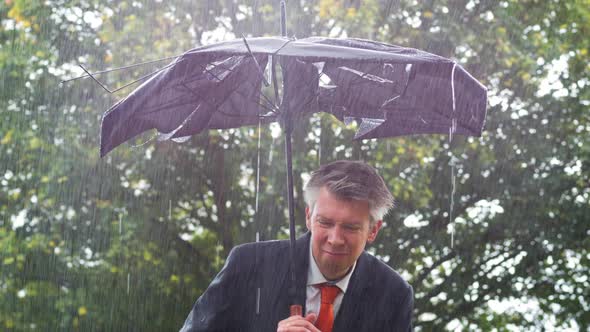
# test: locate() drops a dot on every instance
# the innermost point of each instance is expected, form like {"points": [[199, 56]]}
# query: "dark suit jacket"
{"points": [[251, 292]]}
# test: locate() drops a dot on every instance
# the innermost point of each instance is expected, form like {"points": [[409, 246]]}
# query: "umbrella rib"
{"points": [[236, 91], [231, 70], [274, 79], [311, 99], [255, 62], [94, 78], [128, 84], [358, 80], [211, 73], [119, 68], [267, 99], [274, 71], [266, 107], [146, 76], [270, 103], [280, 48], [270, 109]]}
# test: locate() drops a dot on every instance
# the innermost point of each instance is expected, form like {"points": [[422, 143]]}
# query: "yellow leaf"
{"points": [[266, 9], [351, 12], [82, 311], [16, 14], [147, 255], [427, 14], [8, 260], [34, 143], [326, 8], [174, 278], [102, 203], [14, 194], [7, 138]]}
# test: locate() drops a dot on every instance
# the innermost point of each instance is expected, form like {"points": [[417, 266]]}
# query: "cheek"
{"points": [[358, 242], [318, 234]]}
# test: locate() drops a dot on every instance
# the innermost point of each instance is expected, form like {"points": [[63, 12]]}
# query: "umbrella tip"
{"points": [[283, 19]]}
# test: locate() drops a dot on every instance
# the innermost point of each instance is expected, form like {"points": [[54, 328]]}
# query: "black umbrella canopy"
{"points": [[390, 90]]}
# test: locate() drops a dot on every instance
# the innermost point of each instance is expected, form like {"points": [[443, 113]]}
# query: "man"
{"points": [[341, 287]]}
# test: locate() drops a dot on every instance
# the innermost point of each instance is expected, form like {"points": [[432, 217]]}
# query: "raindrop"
{"points": [[452, 163], [258, 301], [258, 169]]}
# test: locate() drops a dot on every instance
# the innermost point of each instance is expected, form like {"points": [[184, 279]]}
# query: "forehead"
{"points": [[332, 207]]}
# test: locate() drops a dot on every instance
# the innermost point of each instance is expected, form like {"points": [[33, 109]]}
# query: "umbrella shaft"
{"points": [[283, 19], [291, 204]]}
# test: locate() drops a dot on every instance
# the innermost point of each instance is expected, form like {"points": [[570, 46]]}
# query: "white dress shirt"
{"points": [[313, 294]]}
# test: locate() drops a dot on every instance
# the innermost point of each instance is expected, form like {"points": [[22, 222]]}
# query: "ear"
{"points": [[374, 231], [308, 218]]}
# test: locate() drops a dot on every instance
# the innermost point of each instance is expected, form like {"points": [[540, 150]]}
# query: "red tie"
{"points": [[325, 319]]}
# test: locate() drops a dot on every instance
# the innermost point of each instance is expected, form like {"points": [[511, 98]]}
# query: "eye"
{"points": [[351, 227], [324, 223]]}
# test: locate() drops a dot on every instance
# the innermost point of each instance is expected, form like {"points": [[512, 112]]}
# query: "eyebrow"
{"points": [[353, 223]]}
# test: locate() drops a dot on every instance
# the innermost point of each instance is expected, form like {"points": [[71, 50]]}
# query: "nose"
{"points": [[336, 237]]}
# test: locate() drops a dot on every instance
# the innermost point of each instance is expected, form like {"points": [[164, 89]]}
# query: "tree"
{"points": [[130, 241]]}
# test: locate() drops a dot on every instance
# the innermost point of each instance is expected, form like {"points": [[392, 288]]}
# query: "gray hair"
{"points": [[351, 180]]}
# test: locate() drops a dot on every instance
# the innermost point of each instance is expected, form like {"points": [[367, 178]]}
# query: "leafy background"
{"points": [[128, 242]]}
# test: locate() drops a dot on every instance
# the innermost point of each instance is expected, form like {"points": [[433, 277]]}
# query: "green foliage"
{"points": [[128, 242]]}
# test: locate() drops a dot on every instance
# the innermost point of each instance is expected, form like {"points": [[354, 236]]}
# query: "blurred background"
{"points": [[128, 242]]}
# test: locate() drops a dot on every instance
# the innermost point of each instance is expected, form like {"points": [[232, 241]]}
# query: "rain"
{"points": [[490, 229]]}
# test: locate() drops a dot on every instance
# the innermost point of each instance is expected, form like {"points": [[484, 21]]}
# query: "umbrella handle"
{"points": [[296, 309]]}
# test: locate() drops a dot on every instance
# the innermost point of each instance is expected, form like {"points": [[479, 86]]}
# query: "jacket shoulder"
{"points": [[252, 247], [385, 275], [390, 292], [258, 252]]}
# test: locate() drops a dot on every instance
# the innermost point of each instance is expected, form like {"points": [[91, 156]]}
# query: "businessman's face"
{"points": [[339, 231]]}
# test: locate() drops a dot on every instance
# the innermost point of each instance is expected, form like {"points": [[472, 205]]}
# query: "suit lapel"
{"points": [[301, 267], [283, 293], [354, 302]]}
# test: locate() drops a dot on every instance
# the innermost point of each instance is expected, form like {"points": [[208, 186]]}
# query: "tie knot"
{"points": [[329, 293]]}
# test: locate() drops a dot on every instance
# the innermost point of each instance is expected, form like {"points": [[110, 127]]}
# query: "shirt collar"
{"points": [[314, 276]]}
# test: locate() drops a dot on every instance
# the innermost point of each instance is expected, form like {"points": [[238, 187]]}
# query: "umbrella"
{"points": [[389, 90]]}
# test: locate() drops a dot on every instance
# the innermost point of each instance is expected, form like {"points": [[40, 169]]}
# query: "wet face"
{"points": [[340, 229]]}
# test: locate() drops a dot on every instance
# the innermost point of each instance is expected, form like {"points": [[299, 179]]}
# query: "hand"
{"points": [[298, 324]]}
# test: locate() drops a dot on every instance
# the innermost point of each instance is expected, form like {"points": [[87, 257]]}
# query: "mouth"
{"points": [[335, 254]]}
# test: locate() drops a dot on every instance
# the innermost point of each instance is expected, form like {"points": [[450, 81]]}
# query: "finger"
{"points": [[297, 323], [295, 329], [311, 317], [291, 319]]}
